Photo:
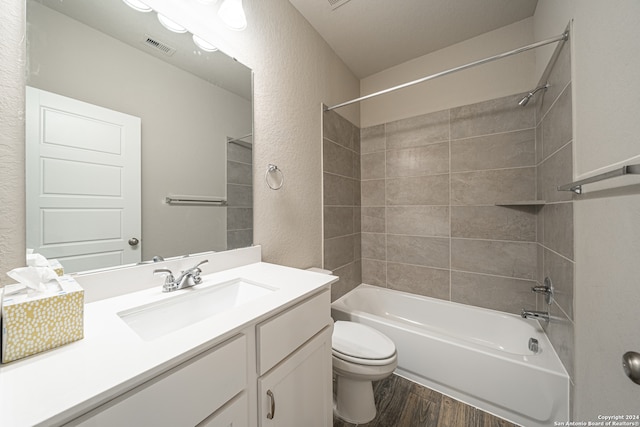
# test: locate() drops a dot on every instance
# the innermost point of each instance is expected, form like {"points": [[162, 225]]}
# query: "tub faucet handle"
{"points": [[546, 290]]}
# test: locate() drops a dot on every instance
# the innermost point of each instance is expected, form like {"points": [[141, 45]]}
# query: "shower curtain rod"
{"points": [[563, 37]]}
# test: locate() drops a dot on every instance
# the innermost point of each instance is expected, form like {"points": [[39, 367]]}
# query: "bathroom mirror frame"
{"points": [[240, 202]]}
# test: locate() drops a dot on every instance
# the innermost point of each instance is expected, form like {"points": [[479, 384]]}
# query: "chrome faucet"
{"points": [[538, 315], [172, 284]]}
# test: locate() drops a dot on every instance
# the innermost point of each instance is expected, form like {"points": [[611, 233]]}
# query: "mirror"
{"points": [[193, 111]]}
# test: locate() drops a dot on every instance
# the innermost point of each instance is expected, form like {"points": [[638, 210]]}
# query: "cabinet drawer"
{"points": [[233, 414], [280, 336], [182, 396]]}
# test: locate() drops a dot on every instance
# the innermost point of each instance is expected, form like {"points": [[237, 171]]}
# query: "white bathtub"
{"points": [[475, 355]]}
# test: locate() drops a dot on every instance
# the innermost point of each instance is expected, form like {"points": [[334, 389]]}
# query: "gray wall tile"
{"points": [[372, 139], [374, 272], [420, 130], [349, 279], [418, 220], [558, 228], [239, 238], [423, 190], [561, 334], [494, 222], [430, 282], [338, 221], [372, 165], [510, 259], [496, 293], [336, 159], [504, 150], [559, 77], [340, 130], [357, 246], [239, 218], [560, 271], [490, 187], [489, 117], [555, 171], [372, 192], [557, 124], [374, 246], [338, 190], [357, 219], [238, 153], [539, 152], [418, 250], [428, 160], [240, 195], [338, 252], [239, 173], [373, 220]]}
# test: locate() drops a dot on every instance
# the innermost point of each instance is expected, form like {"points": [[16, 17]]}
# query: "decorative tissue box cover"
{"points": [[35, 323]]}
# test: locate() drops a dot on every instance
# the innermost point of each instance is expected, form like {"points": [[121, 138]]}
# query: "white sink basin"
{"points": [[153, 320]]}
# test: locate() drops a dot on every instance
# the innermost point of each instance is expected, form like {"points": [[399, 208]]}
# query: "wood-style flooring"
{"points": [[402, 403]]}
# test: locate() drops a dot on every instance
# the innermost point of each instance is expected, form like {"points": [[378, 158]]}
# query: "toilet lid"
{"points": [[361, 341]]}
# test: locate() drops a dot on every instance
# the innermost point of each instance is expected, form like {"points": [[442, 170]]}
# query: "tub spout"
{"points": [[538, 315]]}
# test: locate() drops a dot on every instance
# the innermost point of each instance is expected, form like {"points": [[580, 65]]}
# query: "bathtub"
{"points": [[478, 356]]}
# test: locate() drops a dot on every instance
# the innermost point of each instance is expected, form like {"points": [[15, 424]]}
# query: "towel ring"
{"points": [[274, 169]]}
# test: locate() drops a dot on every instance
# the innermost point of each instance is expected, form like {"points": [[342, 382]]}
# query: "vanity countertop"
{"points": [[54, 387]]}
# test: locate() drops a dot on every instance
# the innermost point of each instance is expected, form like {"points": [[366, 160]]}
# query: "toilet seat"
{"points": [[357, 343]]}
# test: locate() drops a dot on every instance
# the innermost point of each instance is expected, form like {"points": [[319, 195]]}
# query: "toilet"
{"points": [[361, 355]]}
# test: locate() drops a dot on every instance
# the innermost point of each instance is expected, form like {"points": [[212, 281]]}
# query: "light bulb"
{"points": [[137, 5], [232, 14], [203, 44], [170, 25]]}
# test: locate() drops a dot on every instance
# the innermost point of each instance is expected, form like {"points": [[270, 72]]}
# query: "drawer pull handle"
{"points": [[272, 413]]}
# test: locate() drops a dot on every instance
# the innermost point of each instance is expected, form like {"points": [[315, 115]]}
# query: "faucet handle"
{"points": [[196, 272], [201, 262], [169, 274]]}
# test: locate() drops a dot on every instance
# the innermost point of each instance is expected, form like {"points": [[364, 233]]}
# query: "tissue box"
{"points": [[56, 266], [35, 322]]}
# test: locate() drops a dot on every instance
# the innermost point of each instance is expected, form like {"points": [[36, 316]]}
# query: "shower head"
{"points": [[528, 96]]}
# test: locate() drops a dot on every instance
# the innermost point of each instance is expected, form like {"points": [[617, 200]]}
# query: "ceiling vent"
{"points": [[337, 3], [156, 44]]}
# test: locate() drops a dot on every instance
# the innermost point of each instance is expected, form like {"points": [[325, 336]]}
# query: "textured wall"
{"points": [[12, 76], [487, 81], [341, 202]]}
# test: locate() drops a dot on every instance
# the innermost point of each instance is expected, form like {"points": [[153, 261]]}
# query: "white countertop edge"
{"points": [[57, 386]]}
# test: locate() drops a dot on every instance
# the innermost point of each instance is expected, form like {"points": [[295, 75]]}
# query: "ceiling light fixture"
{"points": [[170, 25], [232, 14], [137, 5], [203, 44]]}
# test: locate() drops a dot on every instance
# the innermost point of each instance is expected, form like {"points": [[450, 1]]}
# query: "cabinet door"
{"points": [[298, 392]]}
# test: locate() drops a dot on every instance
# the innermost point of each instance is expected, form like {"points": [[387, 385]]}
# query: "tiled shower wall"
{"points": [[239, 195], [341, 193], [430, 224], [554, 162], [459, 204]]}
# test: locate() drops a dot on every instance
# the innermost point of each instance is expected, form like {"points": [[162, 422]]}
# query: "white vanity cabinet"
{"points": [[272, 373]]}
